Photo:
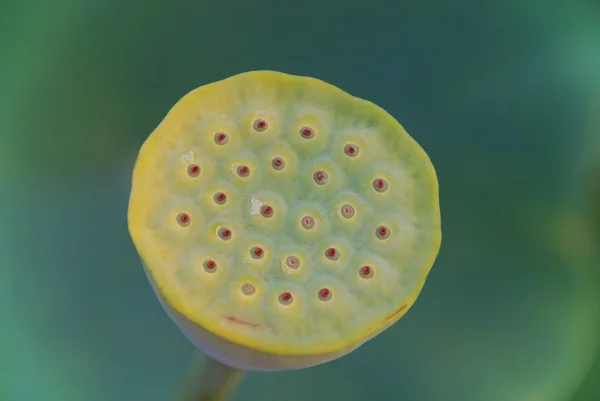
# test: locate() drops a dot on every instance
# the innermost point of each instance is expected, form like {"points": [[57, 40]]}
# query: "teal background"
{"points": [[503, 95]]}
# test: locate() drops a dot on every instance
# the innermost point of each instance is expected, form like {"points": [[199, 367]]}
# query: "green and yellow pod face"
{"points": [[281, 218]]}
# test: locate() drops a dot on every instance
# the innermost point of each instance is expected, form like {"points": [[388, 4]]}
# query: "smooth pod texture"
{"points": [[282, 221]]}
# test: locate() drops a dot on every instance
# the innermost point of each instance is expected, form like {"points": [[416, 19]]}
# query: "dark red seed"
{"points": [[266, 211], [320, 177], [225, 234], [292, 262], [260, 125], [308, 222], [347, 211], [220, 198], [285, 298], [383, 232], [248, 289], [351, 150], [332, 254], [221, 138], [324, 294], [366, 272], [380, 185], [210, 265], [184, 219], [278, 163], [243, 171], [257, 252], [193, 170], [307, 132]]}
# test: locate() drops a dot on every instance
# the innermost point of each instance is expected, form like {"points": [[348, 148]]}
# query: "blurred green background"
{"points": [[503, 95]]}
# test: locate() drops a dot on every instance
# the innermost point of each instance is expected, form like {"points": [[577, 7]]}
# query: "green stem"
{"points": [[210, 380]]}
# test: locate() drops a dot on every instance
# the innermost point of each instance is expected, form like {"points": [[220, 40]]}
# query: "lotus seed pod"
{"points": [[281, 221]]}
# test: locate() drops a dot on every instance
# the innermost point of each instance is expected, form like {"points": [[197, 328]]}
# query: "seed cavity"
{"points": [[210, 266], [347, 211], [308, 222], [351, 150], [307, 133], [257, 253], [380, 185], [285, 298], [221, 138], [383, 232], [243, 171], [320, 177], [193, 170], [183, 219], [325, 294], [224, 233], [292, 262], [220, 198], [248, 289], [278, 163], [266, 211], [332, 254], [366, 272], [260, 125]]}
